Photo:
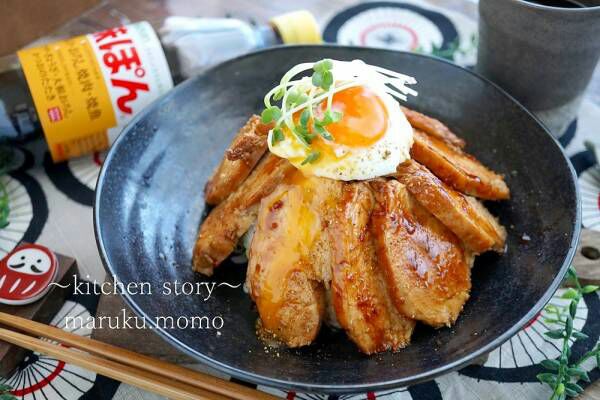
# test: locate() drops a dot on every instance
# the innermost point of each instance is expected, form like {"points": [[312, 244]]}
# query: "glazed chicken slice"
{"points": [[426, 267], [287, 254], [463, 215], [241, 157], [226, 223], [432, 127], [358, 290], [457, 168]]}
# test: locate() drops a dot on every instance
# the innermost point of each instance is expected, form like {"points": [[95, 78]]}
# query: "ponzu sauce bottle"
{"points": [[80, 92]]}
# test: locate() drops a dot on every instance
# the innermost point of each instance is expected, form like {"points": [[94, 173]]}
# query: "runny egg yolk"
{"points": [[365, 118]]}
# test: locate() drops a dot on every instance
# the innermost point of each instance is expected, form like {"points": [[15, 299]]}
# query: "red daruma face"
{"points": [[25, 274]]}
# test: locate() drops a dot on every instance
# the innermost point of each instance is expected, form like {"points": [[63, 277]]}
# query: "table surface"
{"points": [[115, 12]]}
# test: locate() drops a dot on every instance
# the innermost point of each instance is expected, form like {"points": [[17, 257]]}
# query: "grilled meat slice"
{"points": [[432, 127], [288, 253], [427, 269], [359, 295], [226, 223], [464, 215], [241, 157], [457, 168]]}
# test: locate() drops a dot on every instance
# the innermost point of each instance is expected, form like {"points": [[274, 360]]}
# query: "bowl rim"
{"points": [[259, 379], [555, 9]]}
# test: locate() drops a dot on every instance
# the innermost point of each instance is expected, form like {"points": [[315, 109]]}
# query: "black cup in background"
{"points": [[542, 55]]}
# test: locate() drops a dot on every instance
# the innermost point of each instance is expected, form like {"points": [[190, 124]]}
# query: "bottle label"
{"points": [[86, 88]]}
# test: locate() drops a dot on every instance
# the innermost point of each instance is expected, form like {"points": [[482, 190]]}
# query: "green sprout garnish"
{"points": [[277, 136], [322, 77], [270, 114], [312, 157], [298, 96], [303, 106]]}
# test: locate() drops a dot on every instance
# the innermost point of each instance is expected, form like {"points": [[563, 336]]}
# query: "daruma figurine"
{"points": [[26, 274]]}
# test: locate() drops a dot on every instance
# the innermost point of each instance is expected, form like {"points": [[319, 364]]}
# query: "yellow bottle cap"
{"points": [[298, 27]]}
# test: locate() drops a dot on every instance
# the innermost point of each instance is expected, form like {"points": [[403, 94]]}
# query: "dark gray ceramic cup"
{"points": [[542, 55]]}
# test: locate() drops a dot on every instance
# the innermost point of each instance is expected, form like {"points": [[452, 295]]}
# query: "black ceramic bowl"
{"points": [[149, 205]]}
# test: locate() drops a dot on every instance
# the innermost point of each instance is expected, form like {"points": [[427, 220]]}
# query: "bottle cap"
{"points": [[297, 27]]}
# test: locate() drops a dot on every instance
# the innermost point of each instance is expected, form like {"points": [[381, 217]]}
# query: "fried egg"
{"points": [[372, 137]]}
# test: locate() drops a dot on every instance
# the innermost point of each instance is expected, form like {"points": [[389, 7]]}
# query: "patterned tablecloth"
{"points": [[52, 205]]}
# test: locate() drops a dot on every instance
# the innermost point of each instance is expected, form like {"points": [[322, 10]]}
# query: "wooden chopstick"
{"points": [[134, 367], [124, 373]]}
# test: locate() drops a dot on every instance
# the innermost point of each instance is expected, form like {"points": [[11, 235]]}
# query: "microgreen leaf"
{"points": [[322, 77], [327, 80], [326, 120], [319, 128], [329, 117], [304, 117], [323, 65], [301, 130], [270, 114], [277, 136], [317, 79], [303, 135], [295, 97], [323, 132], [311, 158]]}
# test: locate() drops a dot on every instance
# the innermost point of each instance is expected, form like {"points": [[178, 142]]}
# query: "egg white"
{"points": [[355, 163]]}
